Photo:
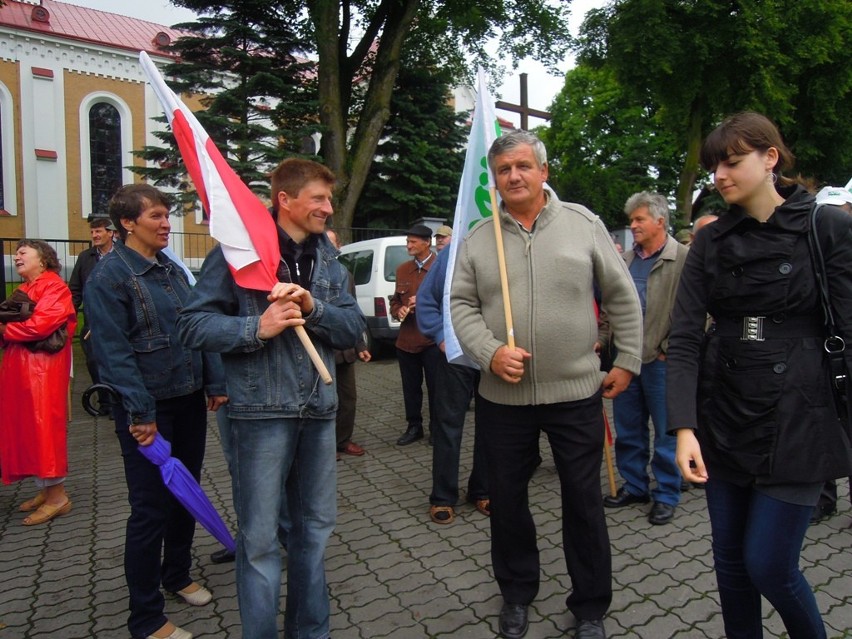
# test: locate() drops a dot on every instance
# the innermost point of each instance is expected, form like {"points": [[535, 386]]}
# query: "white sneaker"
{"points": [[200, 597], [177, 633]]}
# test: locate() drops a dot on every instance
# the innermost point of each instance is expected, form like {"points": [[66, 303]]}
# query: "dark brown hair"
{"points": [[294, 173], [129, 202], [741, 134], [45, 252]]}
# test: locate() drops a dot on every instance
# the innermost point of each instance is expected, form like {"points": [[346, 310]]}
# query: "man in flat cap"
{"points": [[418, 356]]}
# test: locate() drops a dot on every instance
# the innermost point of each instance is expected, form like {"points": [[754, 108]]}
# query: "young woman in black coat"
{"points": [[750, 398]]}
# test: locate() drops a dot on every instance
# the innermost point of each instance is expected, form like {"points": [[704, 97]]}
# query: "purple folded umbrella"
{"points": [[186, 490]]}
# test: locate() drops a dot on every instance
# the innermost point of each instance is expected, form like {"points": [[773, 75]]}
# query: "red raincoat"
{"points": [[34, 386]]}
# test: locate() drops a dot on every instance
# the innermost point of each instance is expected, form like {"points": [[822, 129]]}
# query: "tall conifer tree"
{"points": [[419, 160], [258, 96]]}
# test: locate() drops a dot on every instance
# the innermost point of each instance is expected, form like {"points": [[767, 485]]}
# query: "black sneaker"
{"points": [[223, 556]]}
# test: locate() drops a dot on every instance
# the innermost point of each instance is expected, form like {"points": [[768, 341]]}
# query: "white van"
{"points": [[373, 265]]}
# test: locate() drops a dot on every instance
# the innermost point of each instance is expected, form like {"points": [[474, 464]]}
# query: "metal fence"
{"points": [[192, 248]]}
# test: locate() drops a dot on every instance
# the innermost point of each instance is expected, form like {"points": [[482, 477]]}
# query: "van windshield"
{"points": [[394, 256]]}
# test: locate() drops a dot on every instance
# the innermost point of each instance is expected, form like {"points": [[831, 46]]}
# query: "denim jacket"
{"points": [[272, 378], [133, 305]]}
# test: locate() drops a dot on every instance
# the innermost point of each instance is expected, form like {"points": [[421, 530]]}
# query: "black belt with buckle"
{"points": [[757, 328]]}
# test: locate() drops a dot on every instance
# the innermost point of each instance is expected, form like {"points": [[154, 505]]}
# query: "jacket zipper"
{"points": [[144, 305]]}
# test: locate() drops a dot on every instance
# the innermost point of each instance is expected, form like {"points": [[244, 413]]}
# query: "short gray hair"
{"points": [[657, 205], [513, 139]]}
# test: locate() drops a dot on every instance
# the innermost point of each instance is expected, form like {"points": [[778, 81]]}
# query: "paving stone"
{"points": [[392, 573]]}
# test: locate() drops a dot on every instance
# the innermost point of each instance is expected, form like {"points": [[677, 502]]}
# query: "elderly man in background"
{"points": [[443, 237], [102, 231], [655, 264], [418, 356]]}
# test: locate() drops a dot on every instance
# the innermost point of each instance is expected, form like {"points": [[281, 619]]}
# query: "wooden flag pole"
{"points": [[610, 470], [313, 354], [501, 264]]}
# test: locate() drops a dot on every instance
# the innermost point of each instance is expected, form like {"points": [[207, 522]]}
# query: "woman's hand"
{"points": [[688, 457], [144, 433], [215, 402]]}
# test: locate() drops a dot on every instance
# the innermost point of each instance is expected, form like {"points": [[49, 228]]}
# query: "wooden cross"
{"points": [[523, 108]]}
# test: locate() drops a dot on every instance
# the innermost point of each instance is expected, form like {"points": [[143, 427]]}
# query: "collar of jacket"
{"points": [[137, 264], [792, 215], [668, 252], [542, 219]]}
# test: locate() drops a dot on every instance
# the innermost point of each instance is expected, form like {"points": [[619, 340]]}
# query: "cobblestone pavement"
{"points": [[391, 572]]}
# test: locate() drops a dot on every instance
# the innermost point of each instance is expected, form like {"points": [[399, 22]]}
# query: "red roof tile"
{"points": [[87, 25]]}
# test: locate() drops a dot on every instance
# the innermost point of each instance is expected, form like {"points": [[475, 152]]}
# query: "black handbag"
{"points": [[834, 344], [18, 307]]}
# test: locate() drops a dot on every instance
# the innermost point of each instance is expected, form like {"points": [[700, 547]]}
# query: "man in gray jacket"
{"points": [[655, 264], [551, 381]]}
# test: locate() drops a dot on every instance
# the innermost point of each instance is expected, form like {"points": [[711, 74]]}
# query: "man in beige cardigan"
{"points": [[551, 381]]}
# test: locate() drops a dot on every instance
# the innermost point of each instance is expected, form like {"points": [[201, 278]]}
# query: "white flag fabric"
{"points": [[238, 219], [474, 200], [174, 258]]}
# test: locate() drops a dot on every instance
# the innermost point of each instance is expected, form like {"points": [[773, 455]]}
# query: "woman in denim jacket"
{"points": [[133, 297]]}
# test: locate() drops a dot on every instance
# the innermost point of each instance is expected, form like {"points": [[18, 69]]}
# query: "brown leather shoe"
{"points": [[351, 448], [442, 514]]}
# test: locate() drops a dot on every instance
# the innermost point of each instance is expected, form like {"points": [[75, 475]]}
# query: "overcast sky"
{"points": [[542, 87]]}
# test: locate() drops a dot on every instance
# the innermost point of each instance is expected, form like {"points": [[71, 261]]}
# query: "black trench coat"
{"points": [[764, 410]]}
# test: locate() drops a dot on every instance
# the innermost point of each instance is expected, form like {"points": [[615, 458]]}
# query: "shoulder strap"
{"points": [[818, 260], [834, 344]]}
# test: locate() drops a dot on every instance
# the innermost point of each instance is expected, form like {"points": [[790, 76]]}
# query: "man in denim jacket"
{"points": [[282, 415]]}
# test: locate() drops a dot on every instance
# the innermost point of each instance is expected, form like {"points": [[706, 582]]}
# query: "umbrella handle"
{"points": [[86, 399]]}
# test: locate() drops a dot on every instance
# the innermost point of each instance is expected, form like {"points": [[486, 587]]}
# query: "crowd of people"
{"points": [[713, 344]]}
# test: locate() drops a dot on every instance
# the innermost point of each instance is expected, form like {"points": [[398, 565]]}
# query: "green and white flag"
{"points": [[474, 200]]}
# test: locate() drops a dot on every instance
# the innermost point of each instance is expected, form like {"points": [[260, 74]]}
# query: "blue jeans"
{"points": [[454, 386], [646, 397], [756, 545], [278, 461], [226, 437], [157, 522]]}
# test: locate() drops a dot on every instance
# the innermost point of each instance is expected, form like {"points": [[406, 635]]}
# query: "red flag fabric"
{"points": [[238, 219]]}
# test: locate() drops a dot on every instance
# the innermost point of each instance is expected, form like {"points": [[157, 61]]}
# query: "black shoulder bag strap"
{"points": [[834, 345]]}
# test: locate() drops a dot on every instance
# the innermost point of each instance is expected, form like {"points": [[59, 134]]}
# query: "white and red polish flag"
{"points": [[239, 221]]}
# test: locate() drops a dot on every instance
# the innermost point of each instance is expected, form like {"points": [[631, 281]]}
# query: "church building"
{"points": [[73, 105]]}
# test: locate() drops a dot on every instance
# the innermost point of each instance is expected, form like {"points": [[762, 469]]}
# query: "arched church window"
{"points": [[105, 154]]}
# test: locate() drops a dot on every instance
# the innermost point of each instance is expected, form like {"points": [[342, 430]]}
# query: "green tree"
{"points": [[419, 158], [358, 44], [604, 144], [259, 98], [700, 61]]}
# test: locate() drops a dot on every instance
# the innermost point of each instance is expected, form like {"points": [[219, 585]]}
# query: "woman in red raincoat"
{"points": [[34, 386]]}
